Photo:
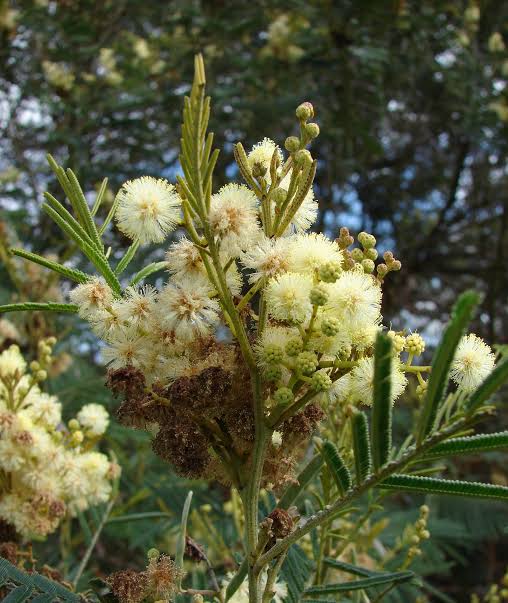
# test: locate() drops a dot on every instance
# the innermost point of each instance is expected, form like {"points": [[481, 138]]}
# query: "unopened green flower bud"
{"points": [[294, 346], [198, 598], [367, 240], [382, 270], [330, 271], [472, 14], [421, 390], [279, 195], [415, 539], [368, 266], [424, 534], [312, 130], [398, 341], [345, 239], [273, 372], [153, 554], [303, 157], [258, 170], [321, 381], [306, 362], [77, 437], [292, 144], [415, 344], [34, 366], [357, 254], [283, 395], [41, 375], [424, 511], [319, 295], [73, 424], [273, 353], [496, 42], [305, 111], [370, 254], [330, 326]]}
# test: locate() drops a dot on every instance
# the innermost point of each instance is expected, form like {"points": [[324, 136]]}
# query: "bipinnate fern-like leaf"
{"points": [[433, 485], [361, 446], [443, 358], [381, 436], [338, 469], [22, 587]]}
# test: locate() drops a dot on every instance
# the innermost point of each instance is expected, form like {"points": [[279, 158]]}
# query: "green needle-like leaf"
{"points": [[147, 271], [338, 469], [100, 197], [127, 258], [371, 582], [180, 545], [381, 436], [348, 568], [443, 358], [361, 446], [302, 481], [39, 307], [80, 200], [469, 445], [70, 273], [432, 485]]}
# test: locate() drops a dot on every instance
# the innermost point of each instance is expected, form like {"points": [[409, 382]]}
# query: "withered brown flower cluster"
{"points": [[202, 423]]}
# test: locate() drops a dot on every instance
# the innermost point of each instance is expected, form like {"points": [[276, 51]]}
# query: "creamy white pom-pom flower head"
{"points": [[148, 209], [309, 251], [12, 362], [287, 297], [91, 296], [185, 307], [94, 418], [262, 153], [126, 348], [234, 218], [357, 297], [362, 381], [268, 258], [473, 362], [183, 257]]}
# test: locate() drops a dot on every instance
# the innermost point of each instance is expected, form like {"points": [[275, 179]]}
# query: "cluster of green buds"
{"points": [[417, 533], [41, 366], [366, 254], [497, 593]]}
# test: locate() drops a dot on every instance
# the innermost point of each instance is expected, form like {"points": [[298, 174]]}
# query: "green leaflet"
{"points": [[337, 467], [39, 307], [381, 436], [70, 273], [147, 271], [304, 478], [469, 445], [67, 217], [237, 580], [94, 255], [180, 544], [100, 197], [19, 595], [129, 254], [370, 582], [348, 567], [433, 485], [361, 446], [81, 201], [443, 358], [492, 383]]}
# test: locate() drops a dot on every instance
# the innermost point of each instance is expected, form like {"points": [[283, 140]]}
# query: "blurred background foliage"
{"points": [[412, 102]]}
